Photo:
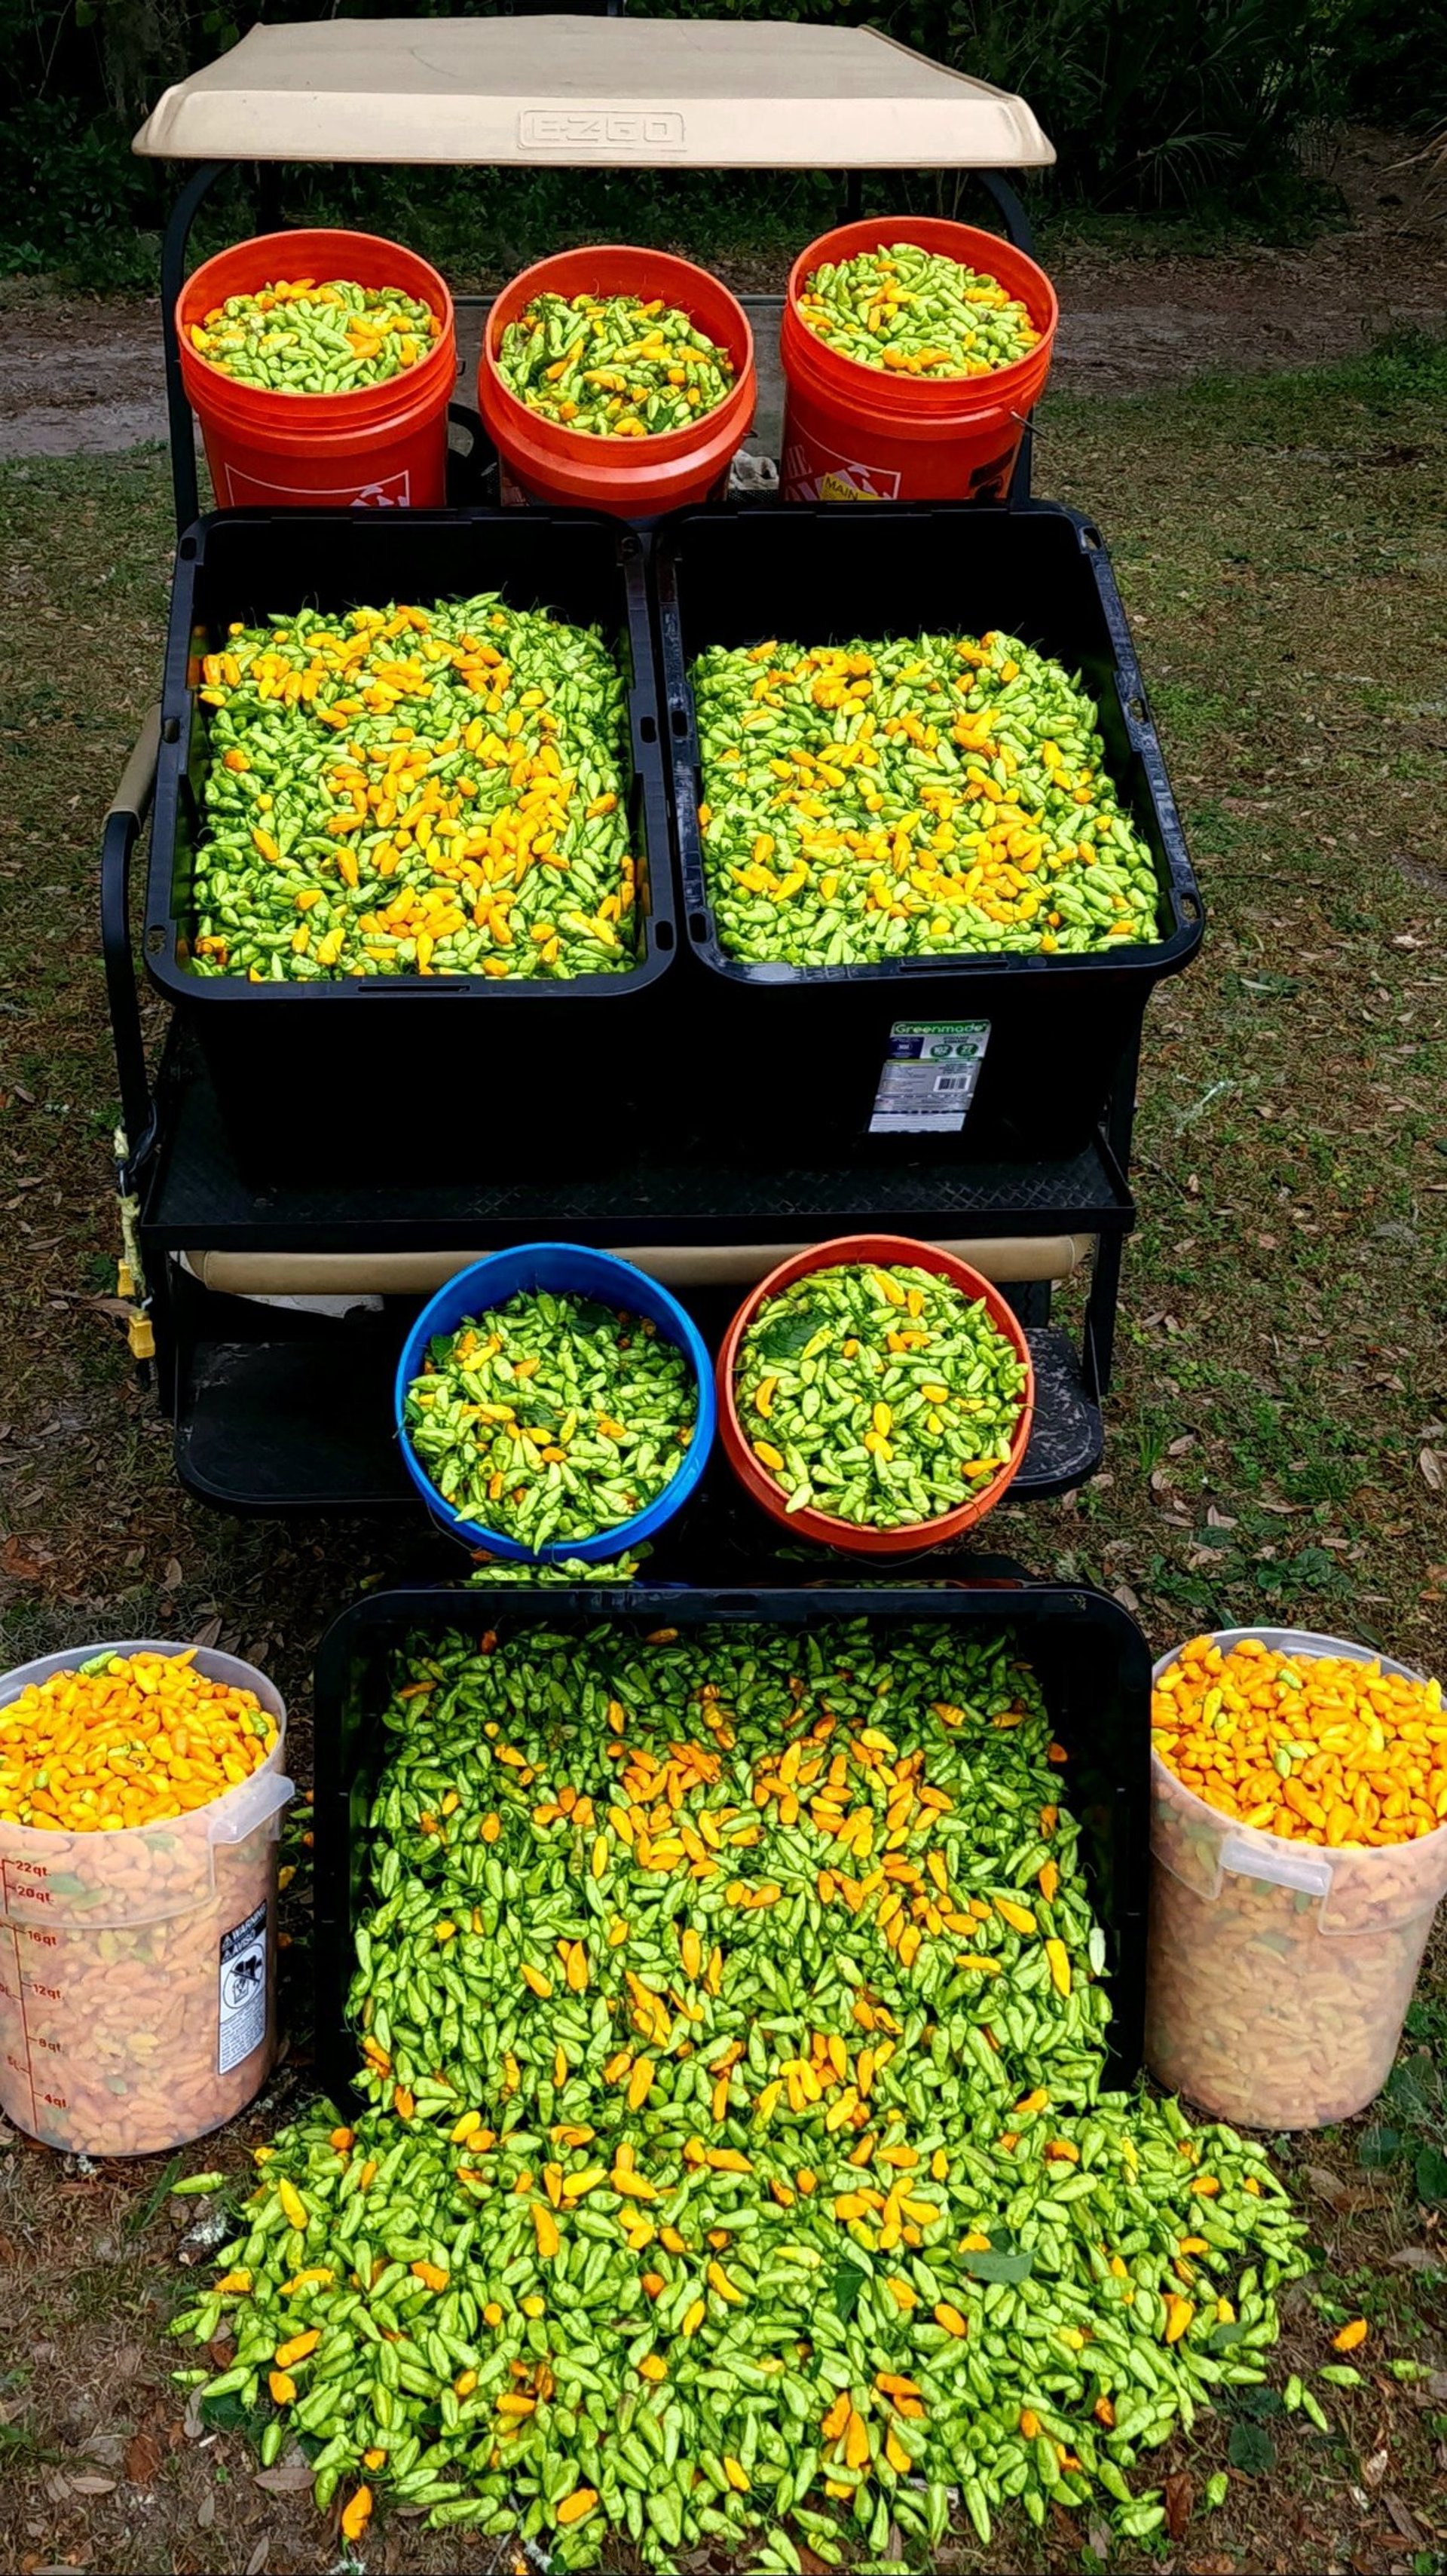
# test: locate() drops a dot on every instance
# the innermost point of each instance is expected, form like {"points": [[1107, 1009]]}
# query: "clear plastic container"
{"points": [[138, 1969], [1279, 1973]]}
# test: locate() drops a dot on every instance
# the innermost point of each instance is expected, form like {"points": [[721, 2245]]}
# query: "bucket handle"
{"points": [[1310, 1875], [1314, 1873], [472, 470], [258, 1804]]}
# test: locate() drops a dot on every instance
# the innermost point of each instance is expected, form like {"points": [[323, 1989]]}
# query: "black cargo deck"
{"points": [[278, 1409]]}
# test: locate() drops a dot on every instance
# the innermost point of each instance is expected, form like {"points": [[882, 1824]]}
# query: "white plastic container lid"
{"points": [[606, 93]]}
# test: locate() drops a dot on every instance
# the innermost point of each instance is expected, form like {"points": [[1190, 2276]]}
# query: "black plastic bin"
{"points": [[1092, 1661], [411, 1076], [792, 1058]]}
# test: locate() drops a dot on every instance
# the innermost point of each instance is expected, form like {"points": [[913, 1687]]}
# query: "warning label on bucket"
{"points": [[242, 1973], [928, 1077], [815, 473]]}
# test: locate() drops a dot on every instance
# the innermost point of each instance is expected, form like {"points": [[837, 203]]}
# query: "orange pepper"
{"points": [[145, 1738], [1314, 1748]]}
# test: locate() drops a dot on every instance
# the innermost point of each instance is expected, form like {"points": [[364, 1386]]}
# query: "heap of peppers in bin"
{"points": [[736, 2169], [434, 791], [924, 796]]}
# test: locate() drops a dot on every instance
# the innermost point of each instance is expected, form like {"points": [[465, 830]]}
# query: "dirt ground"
{"points": [[1278, 1428], [84, 378]]}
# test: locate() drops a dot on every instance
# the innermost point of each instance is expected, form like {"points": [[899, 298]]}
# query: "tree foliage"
{"points": [[1153, 105]]}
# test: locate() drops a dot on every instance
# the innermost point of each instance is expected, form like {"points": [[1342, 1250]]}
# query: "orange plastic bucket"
{"points": [[631, 478], [851, 1536], [854, 433], [379, 446]]}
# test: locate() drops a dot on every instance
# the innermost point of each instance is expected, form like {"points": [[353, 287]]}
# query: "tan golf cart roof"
{"points": [[646, 93]]}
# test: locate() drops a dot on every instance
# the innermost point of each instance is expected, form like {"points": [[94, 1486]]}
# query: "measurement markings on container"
{"points": [[928, 1077], [242, 1982]]}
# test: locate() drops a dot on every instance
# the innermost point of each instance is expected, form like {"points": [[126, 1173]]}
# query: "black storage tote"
{"points": [[789, 1059], [396, 1078], [1090, 1658]]}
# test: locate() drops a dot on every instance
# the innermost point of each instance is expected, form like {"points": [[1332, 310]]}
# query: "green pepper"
{"points": [[881, 1396], [398, 791], [932, 796], [552, 1417], [914, 312], [294, 337], [616, 366], [737, 2160]]}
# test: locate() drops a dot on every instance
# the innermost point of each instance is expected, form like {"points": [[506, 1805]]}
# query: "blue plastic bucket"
{"points": [[560, 1267]]}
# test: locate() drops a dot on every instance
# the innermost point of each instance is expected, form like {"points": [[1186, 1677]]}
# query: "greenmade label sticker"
{"points": [[928, 1077]]}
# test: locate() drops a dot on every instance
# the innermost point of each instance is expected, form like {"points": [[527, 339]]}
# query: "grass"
{"points": [[1278, 1421], [1281, 1376]]}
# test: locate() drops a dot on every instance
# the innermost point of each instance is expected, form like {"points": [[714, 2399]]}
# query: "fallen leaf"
{"points": [[1178, 2503], [206, 2512], [1416, 2258], [1098, 2535], [1406, 2522], [1218, 1520], [173, 1578], [1332, 2189], [207, 1635], [257, 2560], [289, 2477], [1178, 1448], [1374, 2469], [1431, 1466], [1128, 1600], [89, 2483], [143, 2459], [24, 1559]]}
